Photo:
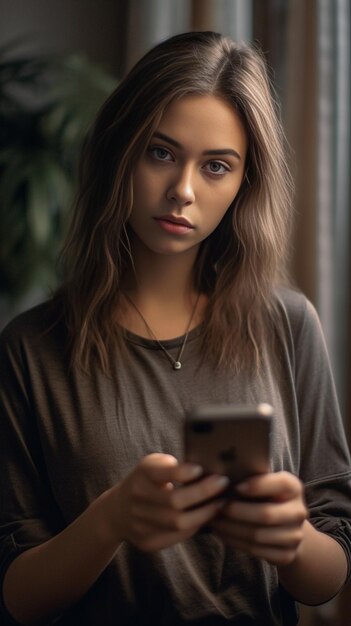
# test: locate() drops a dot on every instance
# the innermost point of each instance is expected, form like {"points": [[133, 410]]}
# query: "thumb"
{"points": [[158, 467], [164, 468]]}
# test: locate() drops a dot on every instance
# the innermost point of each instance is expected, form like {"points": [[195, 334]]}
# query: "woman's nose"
{"points": [[181, 189]]}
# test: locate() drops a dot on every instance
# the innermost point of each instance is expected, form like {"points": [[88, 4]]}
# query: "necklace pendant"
{"points": [[177, 365]]}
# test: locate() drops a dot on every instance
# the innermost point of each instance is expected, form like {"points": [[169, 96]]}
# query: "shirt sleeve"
{"points": [[325, 466], [28, 513]]}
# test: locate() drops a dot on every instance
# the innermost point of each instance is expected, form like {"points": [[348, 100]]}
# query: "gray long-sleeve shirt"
{"points": [[65, 437]]}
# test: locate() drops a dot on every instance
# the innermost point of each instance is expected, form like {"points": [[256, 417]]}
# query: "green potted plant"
{"points": [[46, 107]]}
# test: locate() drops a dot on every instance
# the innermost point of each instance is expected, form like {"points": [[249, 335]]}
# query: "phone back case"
{"points": [[230, 440]]}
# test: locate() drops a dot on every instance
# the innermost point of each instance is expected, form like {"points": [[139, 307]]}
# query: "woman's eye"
{"points": [[216, 167], [161, 154]]}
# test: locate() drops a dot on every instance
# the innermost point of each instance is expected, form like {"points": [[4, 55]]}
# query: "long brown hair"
{"points": [[242, 260]]}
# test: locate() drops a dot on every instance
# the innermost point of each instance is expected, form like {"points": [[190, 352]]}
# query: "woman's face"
{"points": [[189, 175]]}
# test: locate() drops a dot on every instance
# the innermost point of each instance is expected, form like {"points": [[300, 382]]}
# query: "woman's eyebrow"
{"points": [[176, 144], [224, 151]]}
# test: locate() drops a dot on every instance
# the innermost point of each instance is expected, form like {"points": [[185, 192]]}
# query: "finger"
{"points": [[166, 518], [279, 486], [197, 493], [162, 468], [267, 514], [178, 498], [185, 497], [272, 554], [280, 537], [146, 539]]}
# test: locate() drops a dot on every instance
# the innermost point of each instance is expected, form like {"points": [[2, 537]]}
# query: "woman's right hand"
{"points": [[152, 508], [158, 504]]}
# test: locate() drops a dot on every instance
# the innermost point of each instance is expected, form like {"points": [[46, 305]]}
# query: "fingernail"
{"points": [[195, 471], [222, 481]]}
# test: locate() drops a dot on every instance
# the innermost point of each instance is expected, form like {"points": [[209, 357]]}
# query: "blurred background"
{"points": [[59, 60]]}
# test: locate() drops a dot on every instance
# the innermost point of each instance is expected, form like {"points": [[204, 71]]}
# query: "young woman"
{"points": [[172, 297]]}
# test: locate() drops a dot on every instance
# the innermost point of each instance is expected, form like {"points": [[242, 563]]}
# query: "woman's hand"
{"points": [[272, 528], [153, 507]]}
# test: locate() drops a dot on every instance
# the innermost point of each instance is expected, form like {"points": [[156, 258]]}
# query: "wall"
{"points": [[62, 26]]}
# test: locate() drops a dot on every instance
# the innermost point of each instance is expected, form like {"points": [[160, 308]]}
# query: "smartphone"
{"points": [[233, 440]]}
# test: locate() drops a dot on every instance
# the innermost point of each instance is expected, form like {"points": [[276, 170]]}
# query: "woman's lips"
{"points": [[173, 227]]}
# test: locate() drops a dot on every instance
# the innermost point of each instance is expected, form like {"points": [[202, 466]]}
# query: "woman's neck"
{"points": [[162, 290], [161, 277]]}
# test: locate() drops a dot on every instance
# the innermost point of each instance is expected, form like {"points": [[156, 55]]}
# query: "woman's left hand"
{"points": [[271, 528]]}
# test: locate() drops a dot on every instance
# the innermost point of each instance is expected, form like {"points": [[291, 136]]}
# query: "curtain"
{"points": [[333, 175], [150, 21]]}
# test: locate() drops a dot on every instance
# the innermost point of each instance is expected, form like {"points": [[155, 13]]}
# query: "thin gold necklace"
{"points": [[176, 363]]}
